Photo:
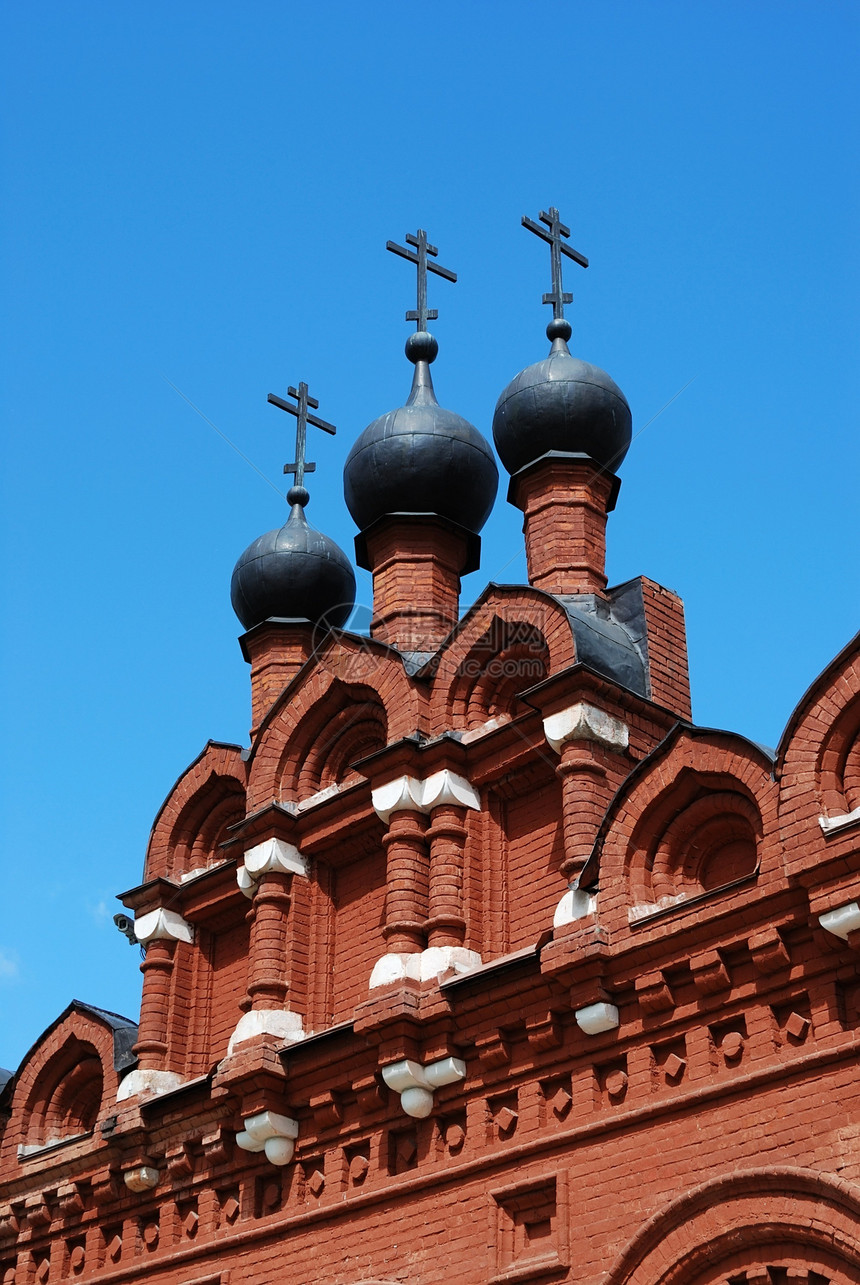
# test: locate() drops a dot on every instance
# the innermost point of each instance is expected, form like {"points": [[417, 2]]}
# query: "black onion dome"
{"points": [[562, 404], [294, 573], [421, 458]]}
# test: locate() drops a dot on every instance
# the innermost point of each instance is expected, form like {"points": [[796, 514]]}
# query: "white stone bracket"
{"points": [[408, 793], [272, 856], [583, 722], [423, 965], [841, 921], [415, 1083], [280, 1022], [267, 1131], [162, 925], [140, 1083], [830, 824], [141, 1178], [594, 1019]]}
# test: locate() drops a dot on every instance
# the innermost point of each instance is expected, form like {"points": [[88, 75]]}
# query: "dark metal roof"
{"points": [[562, 404], [421, 458], [604, 643], [296, 572]]}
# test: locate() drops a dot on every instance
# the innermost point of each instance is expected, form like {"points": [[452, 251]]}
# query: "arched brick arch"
{"points": [[510, 640], [67, 1082], [193, 820], [730, 1229], [347, 672], [818, 762], [698, 814]]}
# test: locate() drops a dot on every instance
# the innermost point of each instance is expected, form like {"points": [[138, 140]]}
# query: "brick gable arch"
{"points": [[818, 761], [67, 1082], [799, 1222], [699, 814], [361, 684], [512, 638], [193, 821]]}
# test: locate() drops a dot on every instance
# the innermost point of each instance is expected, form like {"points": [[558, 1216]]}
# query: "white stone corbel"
{"points": [[280, 1022], [841, 921], [829, 824], [403, 794], [423, 965], [141, 1178], [272, 856], [162, 925], [267, 1131], [415, 1083], [448, 788], [596, 1018], [140, 1083], [583, 722], [408, 793], [575, 904]]}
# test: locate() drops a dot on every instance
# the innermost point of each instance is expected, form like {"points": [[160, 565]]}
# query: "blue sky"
{"points": [[201, 194]]}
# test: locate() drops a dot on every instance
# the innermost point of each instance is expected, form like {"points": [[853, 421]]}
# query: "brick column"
{"points": [[581, 735], [406, 882], [446, 925], [584, 800], [267, 951], [157, 969], [266, 877], [416, 561], [565, 500], [276, 651]]}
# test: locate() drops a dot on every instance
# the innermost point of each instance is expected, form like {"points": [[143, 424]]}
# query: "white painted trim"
{"points": [[583, 722], [415, 1083], [448, 788]]}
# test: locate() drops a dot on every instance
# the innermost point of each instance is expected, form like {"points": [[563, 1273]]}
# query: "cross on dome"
{"points": [[557, 231], [418, 256], [298, 494]]}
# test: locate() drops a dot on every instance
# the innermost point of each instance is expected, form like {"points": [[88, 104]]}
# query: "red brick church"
{"points": [[482, 962]]}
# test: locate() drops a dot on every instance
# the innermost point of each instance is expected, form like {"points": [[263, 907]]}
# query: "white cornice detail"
{"points": [[162, 925], [583, 722], [448, 788]]}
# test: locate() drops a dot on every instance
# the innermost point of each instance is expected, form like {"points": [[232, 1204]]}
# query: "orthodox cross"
{"points": [[418, 256], [557, 230], [300, 410]]}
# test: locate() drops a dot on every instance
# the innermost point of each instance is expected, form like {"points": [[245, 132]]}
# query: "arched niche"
{"points": [[794, 1224]]}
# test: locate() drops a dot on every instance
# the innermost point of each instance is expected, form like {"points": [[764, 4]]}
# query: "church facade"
{"points": [[482, 962]]}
